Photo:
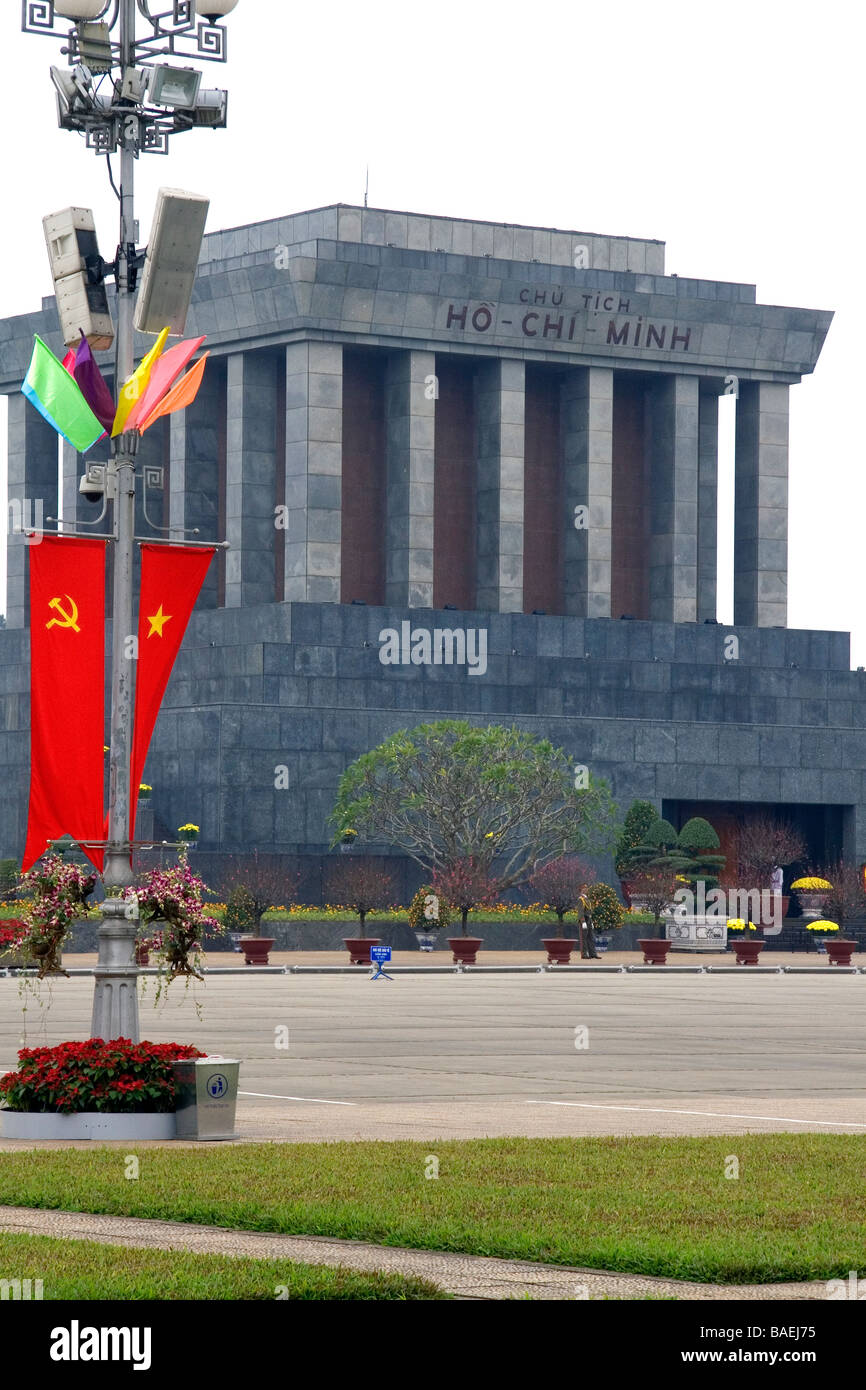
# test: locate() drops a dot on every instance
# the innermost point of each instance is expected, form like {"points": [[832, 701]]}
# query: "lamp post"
{"points": [[126, 122]]}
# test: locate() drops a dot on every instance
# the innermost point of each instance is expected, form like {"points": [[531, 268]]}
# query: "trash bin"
{"points": [[207, 1094]]}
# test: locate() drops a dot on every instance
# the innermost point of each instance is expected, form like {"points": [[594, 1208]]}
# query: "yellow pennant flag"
{"points": [[135, 387]]}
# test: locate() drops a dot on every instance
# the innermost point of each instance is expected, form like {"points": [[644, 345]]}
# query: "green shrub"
{"points": [[417, 920], [9, 874], [241, 915], [638, 819]]}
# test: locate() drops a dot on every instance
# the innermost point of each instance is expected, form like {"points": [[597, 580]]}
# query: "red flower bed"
{"points": [[117, 1077]]}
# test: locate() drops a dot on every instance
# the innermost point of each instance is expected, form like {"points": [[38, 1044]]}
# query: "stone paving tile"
{"points": [[466, 1276]]}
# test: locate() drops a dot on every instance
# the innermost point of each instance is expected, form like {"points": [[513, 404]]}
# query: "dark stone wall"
{"points": [[630, 500], [362, 502], [654, 707], [454, 485]]}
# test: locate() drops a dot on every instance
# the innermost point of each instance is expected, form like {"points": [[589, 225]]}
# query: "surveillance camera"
{"points": [[92, 485]]}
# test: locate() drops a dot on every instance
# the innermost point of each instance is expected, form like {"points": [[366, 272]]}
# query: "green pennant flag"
{"points": [[59, 400]]}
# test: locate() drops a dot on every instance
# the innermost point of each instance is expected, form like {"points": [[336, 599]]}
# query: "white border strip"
{"points": [[709, 1114], [308, 1100]]}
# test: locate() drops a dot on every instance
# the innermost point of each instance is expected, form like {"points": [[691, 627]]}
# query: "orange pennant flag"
{"points": [[182, 394]]}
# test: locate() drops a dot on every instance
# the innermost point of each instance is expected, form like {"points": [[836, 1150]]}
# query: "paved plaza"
{"points": [[437, 1055]]}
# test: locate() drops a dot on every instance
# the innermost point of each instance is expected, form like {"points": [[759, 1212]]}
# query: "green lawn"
{"points": [[83, 1269], [644, 1205]]}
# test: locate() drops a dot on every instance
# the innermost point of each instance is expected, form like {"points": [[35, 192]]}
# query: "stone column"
{"points": [[33, 469], [761, 505], [587, 454], [708, 489], [251, 473], [314, 430], [410, 407], [674, 500], [499, 414]]}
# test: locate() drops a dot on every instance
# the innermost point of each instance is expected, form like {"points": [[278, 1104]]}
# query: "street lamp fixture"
{"points": [[142, 102], [174, 86]]}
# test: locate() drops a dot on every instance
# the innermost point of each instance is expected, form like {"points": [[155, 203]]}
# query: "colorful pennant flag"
{"points": [[59, 400], [68, 362], [164, 374], [182, 394], [134, 388], [93, 385], [67, 663], [171, 577]]}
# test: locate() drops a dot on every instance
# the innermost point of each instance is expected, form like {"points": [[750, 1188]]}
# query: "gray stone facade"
{"points": [[280, 671]]}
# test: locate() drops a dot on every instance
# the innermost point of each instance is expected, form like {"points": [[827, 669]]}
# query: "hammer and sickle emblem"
{"points": [[66, 619]]}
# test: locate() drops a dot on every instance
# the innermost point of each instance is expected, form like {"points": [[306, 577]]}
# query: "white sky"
{"points": [[732, 132]]}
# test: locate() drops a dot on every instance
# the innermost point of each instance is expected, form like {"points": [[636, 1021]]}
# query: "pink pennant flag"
{"points": [[69, 361], [165, 372]]}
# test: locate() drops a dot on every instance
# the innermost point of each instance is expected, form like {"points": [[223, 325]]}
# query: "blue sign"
{"points": [[217, 1085], [380, 952]]}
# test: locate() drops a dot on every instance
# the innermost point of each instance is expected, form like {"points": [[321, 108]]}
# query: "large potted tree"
{"points": [[253, 885], [560, 884], [658, 861], [359, 884], [638, 819], [843, 905], [465, 884]]}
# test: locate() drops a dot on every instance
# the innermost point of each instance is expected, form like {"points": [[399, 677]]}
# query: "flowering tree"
{"points": [[846, 900], [764, 844], [656, 889], [254, 884], [358, 884], [561, 882], [175, 897], [57, 896], [466, 884], [450, 792]]}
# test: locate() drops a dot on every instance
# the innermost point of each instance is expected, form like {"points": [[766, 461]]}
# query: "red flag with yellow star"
{"points": [[67, 693], [171, 577]]}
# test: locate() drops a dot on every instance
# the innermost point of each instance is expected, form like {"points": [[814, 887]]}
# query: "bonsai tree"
{"points": [[560, 884], [764, 844], [466, 884], [602, 909], [638, 819], [360, 885], [656, 887], [449, 792], [699, 842], [255, 884], [659, 850]]}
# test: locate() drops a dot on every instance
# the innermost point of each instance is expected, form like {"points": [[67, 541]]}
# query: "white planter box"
{"points": [[697, 933], [17, 1124]]}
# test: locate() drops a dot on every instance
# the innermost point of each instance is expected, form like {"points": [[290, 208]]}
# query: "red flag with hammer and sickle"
{"points": [[67, 693]]}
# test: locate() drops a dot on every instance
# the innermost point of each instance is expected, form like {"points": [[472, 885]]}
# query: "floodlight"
{"points": [[171, 262], [212, 10], [80, 9], [133, 84], [94, 45], [211, 108], [174, 86], [70, 236]]}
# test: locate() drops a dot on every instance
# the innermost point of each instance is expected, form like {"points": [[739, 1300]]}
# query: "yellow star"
{"points": [[158, 621]]}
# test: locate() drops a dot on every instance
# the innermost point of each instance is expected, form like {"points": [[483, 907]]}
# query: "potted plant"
{"points": [[838, 948], [638, 819], [466, 883], [188, 834], [253, 885], [144, 790], [363, 887], [560, 884], [174, 898], [700, 844], [746, 951], [348, 839], [812, 892], [602, 909], [96, 1089], [59, 893], [427, 914]]}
